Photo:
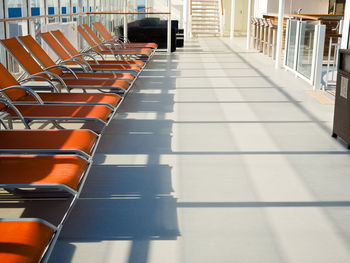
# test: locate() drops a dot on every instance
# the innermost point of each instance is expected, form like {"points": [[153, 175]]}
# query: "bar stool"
{"points": [[256, 32], [264, 38], [253, 25], [272, 34], [261, 29]]}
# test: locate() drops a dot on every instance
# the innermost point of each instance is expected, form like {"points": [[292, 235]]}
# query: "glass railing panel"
{"points": [[52, 9], [16, 8], [292, 37], [306, 48], [35, 28], [2, 49]]}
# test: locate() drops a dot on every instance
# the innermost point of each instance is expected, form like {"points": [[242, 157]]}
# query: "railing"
{"points": [[191, 7], [332, 64], [304, 50]]}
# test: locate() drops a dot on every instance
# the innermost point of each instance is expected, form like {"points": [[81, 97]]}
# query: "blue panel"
{"points": [[139, 7], [15, 12], [74, 9], [51, 10], [35, 11], [64, 10], [90, 8], [83, 8]]}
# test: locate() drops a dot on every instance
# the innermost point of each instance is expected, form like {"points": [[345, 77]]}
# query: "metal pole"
{"points": [[248, 22], [125, 31], [345, 26], [169, 28], [279, 33], [232, 31]]}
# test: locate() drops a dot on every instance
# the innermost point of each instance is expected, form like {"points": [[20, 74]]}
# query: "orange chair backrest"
{"points": [[55, 45], [94, 36], [88, 39], [105, 29], [7, 80], [22, 56], [65, 42], [102, 31], [36, 50]]}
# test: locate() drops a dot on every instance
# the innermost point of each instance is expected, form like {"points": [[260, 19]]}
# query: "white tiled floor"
{"points": [[215, 157]]}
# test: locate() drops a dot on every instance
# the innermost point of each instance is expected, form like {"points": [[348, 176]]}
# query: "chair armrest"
{"points": [[27, 89], [18, 113]]}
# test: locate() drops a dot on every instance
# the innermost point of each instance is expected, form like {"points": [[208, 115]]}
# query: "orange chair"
{"points": [[100, 115], [11, 88], [75, 57], [33, 68], [107, 45], [102, 48], [25, 240], [39, 53], [78, 142], [71, 49], [61, 173], [108, 37]]}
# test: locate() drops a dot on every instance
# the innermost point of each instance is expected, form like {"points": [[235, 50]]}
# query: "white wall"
{"points": [[260, 7], [291, 6], [241, 13], [177, 11], [177, 7]]}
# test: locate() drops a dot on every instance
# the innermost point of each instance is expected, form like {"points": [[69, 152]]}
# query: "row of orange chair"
{"points": [[54, 163]]}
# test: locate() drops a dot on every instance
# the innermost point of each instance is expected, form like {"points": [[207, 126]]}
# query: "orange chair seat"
{"points": [[23, 241], [66, 170], [107, 98], [97, 83], [106, 66], [140, 51], [139, 44], [83, 140], [100, 75], [63, 111], [116, 62]]}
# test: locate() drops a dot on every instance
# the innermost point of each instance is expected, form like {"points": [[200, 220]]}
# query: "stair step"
{"points": [[205, 14], [204, 8], [196, 11], [209, 19], [205, 30], [205, 35], [206, 1], [205, 24], [204, 5]]}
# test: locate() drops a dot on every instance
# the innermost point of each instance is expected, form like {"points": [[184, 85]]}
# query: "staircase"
{"points": [[205, 18]]}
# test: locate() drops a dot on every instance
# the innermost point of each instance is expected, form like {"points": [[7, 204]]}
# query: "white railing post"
{"points": [[248, 23], [169, 28], [221, 16], [320, 29], [279, 33], [125, 31], [232, 27]]}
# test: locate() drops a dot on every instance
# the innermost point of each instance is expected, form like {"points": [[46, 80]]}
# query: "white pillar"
{"points": [[279, 33], [169, 28], [345, 32], [232, 27], [248, 23], [125, 22]]}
